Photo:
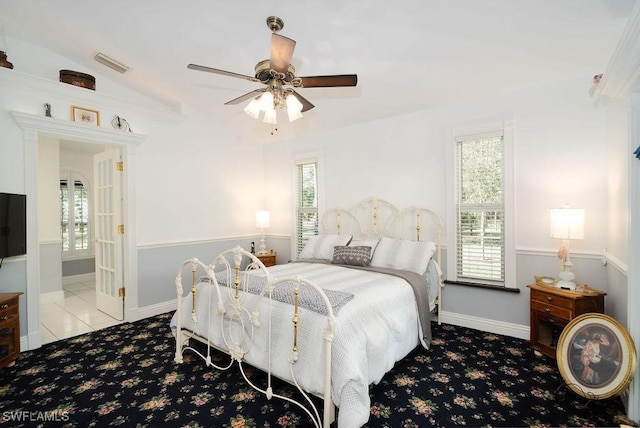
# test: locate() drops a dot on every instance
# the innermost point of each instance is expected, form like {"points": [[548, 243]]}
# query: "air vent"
{"points": [[111, 63]]}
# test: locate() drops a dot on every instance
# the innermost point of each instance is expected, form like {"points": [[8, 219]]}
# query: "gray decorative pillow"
{"points": [[355, 256]]}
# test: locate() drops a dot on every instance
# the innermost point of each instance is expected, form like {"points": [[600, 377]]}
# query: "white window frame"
{"points": [[505, 129], [71, 177], [296, 245]]}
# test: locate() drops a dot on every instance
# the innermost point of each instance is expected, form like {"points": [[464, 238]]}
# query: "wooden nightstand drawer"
{"points": [[9, 328], [9, 306], [551, 299], [552, 310]]}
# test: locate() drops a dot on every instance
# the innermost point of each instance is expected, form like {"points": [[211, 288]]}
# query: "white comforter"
{"points": [[376, 328]]}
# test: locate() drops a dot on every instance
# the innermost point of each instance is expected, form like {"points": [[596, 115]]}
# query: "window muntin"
{"points": [[480, 209], [74, 216]]}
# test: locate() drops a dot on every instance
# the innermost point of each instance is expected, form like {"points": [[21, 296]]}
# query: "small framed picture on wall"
{"points": [[85, 115]]}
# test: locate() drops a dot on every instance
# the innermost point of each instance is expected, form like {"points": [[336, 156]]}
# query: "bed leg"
{"points": [[182, 340]]}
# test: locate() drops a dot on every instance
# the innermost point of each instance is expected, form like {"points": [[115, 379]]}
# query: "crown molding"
{"points": [[622, 75], [75, 131]]}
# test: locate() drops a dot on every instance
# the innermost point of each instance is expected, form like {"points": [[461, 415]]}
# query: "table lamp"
{"points": [[566, 224]]}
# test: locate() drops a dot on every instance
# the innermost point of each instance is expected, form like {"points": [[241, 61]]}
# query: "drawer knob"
{"points": [[4, 318], [549, 298], [547, 309], [4, 306]]}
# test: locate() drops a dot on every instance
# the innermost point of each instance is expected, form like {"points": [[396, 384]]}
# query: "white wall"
{"points": [[560, 157], [560, 137]]}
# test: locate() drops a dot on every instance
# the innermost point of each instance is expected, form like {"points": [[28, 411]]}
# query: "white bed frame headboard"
{"points": [[377, 218]]}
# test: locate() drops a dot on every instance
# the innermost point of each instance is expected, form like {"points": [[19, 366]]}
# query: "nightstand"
{"points": [[552, 308], [9, 328], [268, 259]]}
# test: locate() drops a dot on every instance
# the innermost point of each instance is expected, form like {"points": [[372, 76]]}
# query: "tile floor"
{"points": [[75, 314]]}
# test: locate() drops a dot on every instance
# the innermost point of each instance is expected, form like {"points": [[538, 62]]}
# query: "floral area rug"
{"points": [[125, 376]]}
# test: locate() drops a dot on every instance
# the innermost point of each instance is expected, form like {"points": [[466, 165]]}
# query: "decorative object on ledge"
{"points": [[637, 153], [3, 51], [76, 78], [566, 224], [47, 109], [596, 356], [85, 115], [596, 82], [120, 123]]}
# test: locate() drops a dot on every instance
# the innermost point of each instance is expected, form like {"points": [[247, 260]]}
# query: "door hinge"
{"points": [[120, 166], [121, 229], [121, 292]]}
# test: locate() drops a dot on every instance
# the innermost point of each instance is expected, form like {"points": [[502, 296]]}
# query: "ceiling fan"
{"points": [[278, 75]]}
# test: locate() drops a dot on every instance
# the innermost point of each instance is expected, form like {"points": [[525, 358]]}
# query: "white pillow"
{"points": [[402, 254], [373, 243], [321, 246]]}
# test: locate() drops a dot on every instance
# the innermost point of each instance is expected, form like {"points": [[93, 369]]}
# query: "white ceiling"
{"points": [[409, 55]]}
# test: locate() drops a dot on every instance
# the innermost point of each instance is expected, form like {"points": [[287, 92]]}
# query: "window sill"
{"points": [[478, 285]]}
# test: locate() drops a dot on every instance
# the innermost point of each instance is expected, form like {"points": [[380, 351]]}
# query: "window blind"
{"points": [[306, 203]]}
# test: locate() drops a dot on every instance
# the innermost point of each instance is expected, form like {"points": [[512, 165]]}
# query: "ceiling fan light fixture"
{"points": [[294, 107], [266, 102], [253, 108], [270, 117]]}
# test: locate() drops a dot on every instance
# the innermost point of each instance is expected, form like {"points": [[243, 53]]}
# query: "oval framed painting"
{"points": [[596, 356]]}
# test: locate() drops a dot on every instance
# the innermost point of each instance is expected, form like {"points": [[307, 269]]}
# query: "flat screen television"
{"points": [[13, 225]]}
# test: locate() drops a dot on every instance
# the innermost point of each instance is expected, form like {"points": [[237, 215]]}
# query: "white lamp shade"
{"points": [[294, 108], [253, 108], [262, 219], [567, 223], [266, 102], [270, 117]]}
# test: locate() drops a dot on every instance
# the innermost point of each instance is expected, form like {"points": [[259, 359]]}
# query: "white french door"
{"points": [[109, 233]]}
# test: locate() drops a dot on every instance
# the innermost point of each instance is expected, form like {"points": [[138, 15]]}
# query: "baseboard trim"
{"points": [[83, 277], [485, 324], [157, 309]]}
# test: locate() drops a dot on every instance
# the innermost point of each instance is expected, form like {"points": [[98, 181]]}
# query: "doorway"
{"points": [[71, 309], [36, 127]]}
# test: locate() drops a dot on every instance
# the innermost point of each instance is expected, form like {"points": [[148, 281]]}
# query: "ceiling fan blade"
{"points": [[306, 105], [245, 97], [222, 72], [281, 52], [329, 81]]}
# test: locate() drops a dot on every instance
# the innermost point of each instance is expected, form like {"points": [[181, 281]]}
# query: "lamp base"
{"points": [[566, 277], [262, 249]]}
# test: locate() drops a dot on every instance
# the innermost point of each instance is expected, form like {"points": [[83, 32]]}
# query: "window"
{"points": [[74, 215], [480, 215], [306, 203]]}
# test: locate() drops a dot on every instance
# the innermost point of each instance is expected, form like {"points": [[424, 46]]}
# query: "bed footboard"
{"points": [[226, 303]]}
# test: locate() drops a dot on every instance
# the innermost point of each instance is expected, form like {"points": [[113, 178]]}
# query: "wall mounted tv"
{"points": [[13, 225]]}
